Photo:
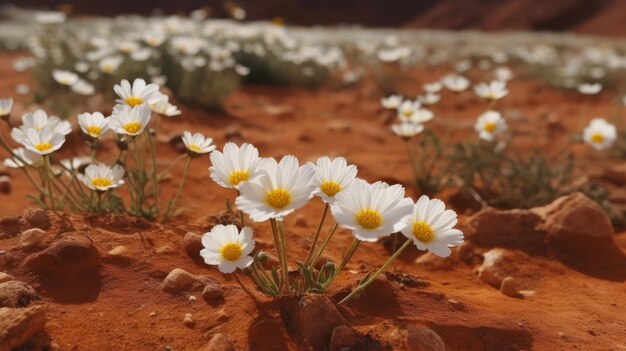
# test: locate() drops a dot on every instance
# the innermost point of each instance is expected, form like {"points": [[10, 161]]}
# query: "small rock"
{"points": [[4, 277], [188, 321], [5, 185], [564, 336], [66, 257], [9, 226], [509, 287], [165, 250], [178, 280], [36, 218], [301, 221], [500, 263], [192, 298], [212, 292], [32, 237], [18, 325], [421, 338], [118, 251], [193, 244], [342, 338], [16, 294], [152, 314], [220, 342], [338, 126], [457, 305]]}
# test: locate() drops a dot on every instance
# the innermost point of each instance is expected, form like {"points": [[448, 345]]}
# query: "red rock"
{"points": [[220, 342], [421, 338], [500, 263], [509, 287], [178, 280], [18, 325], [193, 244], [343, 338], [16, 294], [36, 218], [66, 257]]}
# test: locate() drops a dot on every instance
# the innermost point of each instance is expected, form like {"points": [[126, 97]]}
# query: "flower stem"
{"points": [[324, 244], [170, 208], [316, 237], [371, 279], [169, 168], [47, 170], [344, 262], [283, 251]]}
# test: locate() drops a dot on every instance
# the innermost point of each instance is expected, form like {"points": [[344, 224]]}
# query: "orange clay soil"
{"points": [[125, 308]]}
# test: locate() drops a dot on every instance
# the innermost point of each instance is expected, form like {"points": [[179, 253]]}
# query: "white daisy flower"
{"points": [[503, 74], [6, 105], [495, 90], [407, 109], [235, 165], [137, 94], [407, 130], [332, 177], [93, 124], [30, 158], [42, 142], [83, 87], [197, 143], [429, 98], [110, 64], [455, 82], [589, 89], [64, 77], [490, 124], [280, 189], [431, 227], [39, 121], [391, 102], [371, 211], [101, 177], [130, 120], [227, 248], [600, 134], [75, 163], [154, 38], [163, 107]]}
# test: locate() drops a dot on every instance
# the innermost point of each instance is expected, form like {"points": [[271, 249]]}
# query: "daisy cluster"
{"points": [[41, 136], [270, 190]]}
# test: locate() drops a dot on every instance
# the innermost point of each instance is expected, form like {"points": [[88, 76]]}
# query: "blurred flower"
{"points": [[197, 143], [93, 124], [431, 227], [130, 120], [492, 91], [101, 177], [455, 82], [429, 98], [227, 248], [30, 158], [407, 130], [332, 177], [163, 107], [6, 105], [391, 102], [489, 125], [407, 109], [371, 211], [589, 89], [600, 134], [280, 189], [432, 88], [110, 64], [503, 74], [50, 17], [64, 77], [82, 87]]}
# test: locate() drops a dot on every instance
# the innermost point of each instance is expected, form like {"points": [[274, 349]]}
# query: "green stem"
{"points": [[324, 244], [371, 279], [414, 165], [344, 262], [154, 176], [317, 235], [47, 171], [169, 168], [170, 208], [283, 250]]}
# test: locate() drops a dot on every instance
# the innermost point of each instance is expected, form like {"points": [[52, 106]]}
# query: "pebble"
{"points": [[192, 298], [457, 305], [152, 314], [118, 251], [509, 287], [18, 325], [212, 292], [165, 250], [36, 218], [188, 320], [16, 294], [178, 280], [193, 244], [5, 185], [31, 237], [220, 342]]}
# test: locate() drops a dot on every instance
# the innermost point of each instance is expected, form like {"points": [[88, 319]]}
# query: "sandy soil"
{"points": [[124, 307]]}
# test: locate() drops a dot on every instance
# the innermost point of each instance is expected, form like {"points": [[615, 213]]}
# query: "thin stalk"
{"points": [[261, 281], [317, 235], [242, 220], [371, 279], [283, 250], [414, 165], [47, 170], [266, 276], [344, 262], [170, 207], [99, 195], [324, 244], [169, 168], [154, 171]]}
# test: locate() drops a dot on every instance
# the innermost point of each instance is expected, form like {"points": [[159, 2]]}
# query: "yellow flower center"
{"points": [[238, 176], [132, 127], [194, 147], [94, 131], [330, 187], [597, 137], [101, 182], [231, 251], [4, 112], [107, 68], [490, 127], [369, 218], [153, 41], [423, 231], [43, 147], [133, 101], [278, 198], [407, 112]]}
